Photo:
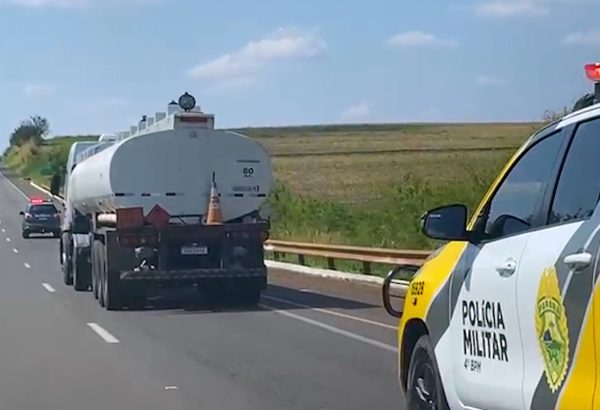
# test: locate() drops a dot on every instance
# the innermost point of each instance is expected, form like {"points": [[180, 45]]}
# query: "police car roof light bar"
{"points": [[592, 71]]}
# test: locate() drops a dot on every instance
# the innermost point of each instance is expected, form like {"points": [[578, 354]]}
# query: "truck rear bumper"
{"points": [[193, 274]]}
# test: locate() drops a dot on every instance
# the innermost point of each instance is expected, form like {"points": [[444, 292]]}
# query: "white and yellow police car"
{"points": [[506, 315]]}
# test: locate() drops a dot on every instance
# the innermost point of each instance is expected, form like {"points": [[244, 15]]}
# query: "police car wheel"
{"points": [[424, 389]]}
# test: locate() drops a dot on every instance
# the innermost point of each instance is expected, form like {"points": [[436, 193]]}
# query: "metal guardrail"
{"points": [[331, 253], [367, 256]]}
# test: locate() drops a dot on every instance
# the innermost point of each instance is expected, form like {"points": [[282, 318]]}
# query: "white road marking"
{"points": [[170, 387], [15, 250], [103, 333], [28, 266], [331, 312], [48, 288], [7, 239], [3, 230], [333, 329]]}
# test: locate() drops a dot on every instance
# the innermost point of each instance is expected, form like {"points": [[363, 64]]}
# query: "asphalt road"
{"points": [[312, 344]]}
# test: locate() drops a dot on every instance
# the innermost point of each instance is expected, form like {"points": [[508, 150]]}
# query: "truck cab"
{"points": [[74, 245], [505, 315]]}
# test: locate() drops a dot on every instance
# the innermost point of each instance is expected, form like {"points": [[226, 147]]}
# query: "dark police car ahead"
{"points": [[40, 216]]}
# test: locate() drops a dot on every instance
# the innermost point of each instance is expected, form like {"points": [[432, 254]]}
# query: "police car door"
{"points": [[487, 355], [555, 283]]}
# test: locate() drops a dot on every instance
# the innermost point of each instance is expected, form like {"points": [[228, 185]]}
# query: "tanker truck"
{"points": [[170, 203]]}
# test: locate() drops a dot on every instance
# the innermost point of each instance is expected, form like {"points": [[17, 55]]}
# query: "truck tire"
{"points": [[60, 251], [67, 271], [424, 385], [100, 282], [81, 271], [95, 271], [111, 294]]}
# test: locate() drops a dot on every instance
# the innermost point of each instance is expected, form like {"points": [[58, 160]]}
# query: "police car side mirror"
{"points": [[21, 213], [448, 223]]}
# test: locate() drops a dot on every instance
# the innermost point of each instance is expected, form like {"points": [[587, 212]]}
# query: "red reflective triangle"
{"points": [[158, 217]]}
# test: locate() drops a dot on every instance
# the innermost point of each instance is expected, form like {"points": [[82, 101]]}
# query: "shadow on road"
{"points": [[283, 298], [185, 301], [312, 299]]}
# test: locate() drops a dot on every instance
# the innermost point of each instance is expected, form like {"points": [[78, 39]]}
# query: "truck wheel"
{"points": [[101, 284], [424, 387], [100, 281], [66, 269], [81, 271], [111, 294], [60, 252], [95, 271], [95, 286]]}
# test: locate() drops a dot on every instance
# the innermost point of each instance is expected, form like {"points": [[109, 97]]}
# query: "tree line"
{"points": [[33, 129]]}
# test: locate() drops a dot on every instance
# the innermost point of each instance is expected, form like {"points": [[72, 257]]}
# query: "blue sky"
{"points": [[97, 65]]}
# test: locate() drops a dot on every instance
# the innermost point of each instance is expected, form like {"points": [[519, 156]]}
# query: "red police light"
{"points": [[36, 201], [592, 71]]}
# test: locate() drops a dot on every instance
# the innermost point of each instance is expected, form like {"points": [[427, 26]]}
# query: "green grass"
{"points": [[363, 185], [40, 162]]}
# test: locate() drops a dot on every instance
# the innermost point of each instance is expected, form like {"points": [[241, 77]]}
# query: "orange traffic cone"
{"points": [[214, 216]]}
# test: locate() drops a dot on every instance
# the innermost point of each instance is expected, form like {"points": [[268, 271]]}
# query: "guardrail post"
{"points": [[331, 263], [276, 256], [367, 268], [301, 259]]}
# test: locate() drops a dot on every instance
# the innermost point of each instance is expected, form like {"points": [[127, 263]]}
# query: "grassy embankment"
{"points": [[362, 185]]}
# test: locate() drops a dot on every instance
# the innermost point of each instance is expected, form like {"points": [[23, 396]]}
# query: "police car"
{"points": [[506, 314], [40, 216]]}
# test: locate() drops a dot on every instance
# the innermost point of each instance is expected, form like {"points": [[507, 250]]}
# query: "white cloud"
{"points": [[489, 81], [583, 38], [512, 8], [358, 111], [241, 66], [38, 90], [419, 39]]}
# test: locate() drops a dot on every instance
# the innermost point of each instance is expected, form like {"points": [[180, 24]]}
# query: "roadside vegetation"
{"points": [[361, 185]]}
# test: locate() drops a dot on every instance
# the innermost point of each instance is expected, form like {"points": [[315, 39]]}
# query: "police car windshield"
{"points": [[42, 209]]}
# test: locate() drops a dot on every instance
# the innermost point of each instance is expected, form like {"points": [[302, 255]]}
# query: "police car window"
{"points": [[42, 209], [512, 208], [578, 186]]}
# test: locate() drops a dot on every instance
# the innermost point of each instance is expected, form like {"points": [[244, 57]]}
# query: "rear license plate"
{"points": [[194, 250]]}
